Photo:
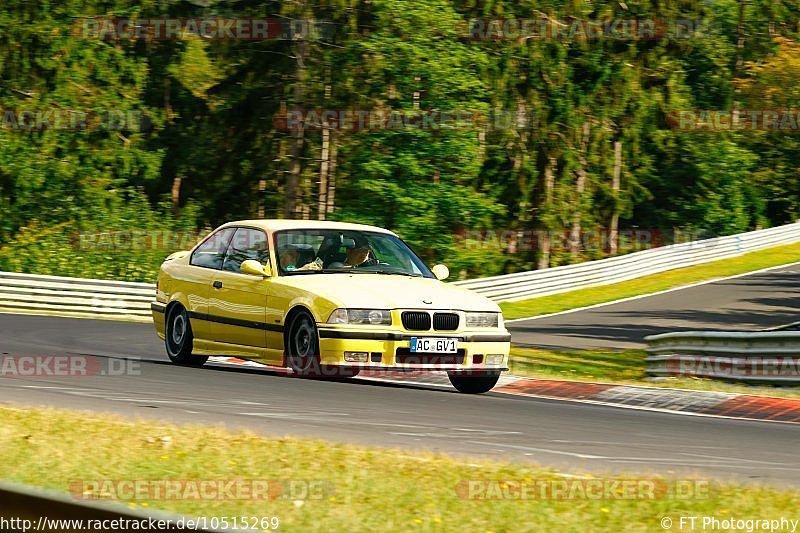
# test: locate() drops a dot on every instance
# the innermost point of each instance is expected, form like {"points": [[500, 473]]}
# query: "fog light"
{"points": [[356, 357], [494, 359]]}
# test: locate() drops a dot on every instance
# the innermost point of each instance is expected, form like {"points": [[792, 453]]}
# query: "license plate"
{"points": [[433, 345]]}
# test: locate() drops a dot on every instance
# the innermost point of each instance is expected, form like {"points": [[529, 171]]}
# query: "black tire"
{"points": [[473, 383], [302, 345], [302, 350], [179, 339]]}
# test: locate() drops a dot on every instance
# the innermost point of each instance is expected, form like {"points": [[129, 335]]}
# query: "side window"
{"points": [[246, 244], [211, 252]]}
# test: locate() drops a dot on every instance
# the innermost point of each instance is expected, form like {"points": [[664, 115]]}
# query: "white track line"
{"points": [[573, 400], [621, 300]]}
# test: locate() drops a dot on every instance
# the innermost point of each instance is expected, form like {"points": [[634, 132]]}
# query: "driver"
{"points": [[356, 256]]}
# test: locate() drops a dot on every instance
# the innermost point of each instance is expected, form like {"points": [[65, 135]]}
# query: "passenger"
{"points": [[288, 260]]}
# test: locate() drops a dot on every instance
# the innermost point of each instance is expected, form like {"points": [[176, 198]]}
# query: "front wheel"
{"points": [[302, 345], [473, 383], [179, 338]]}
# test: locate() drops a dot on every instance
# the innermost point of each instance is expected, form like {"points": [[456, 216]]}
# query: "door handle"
{"points": [[217, 284]]}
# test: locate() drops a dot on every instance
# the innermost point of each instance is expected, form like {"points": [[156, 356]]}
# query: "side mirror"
{"points": [[441, 272], [254, 268], [177, 255]]}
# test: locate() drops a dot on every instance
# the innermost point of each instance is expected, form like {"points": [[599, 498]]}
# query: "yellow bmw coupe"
{"points": [[325, 298]]}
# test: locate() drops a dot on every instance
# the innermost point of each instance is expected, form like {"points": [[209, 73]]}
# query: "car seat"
{"points": [[305, 254], [329, 251]]}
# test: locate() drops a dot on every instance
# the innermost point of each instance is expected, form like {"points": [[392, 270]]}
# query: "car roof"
{"points": [[272, 225]]}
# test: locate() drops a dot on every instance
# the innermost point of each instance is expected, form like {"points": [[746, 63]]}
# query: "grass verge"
{"points": [[768, 257], [368, 489], [625, 367]]}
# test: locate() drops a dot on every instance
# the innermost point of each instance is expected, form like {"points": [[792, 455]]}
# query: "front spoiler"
{"points": [[428, 368]]}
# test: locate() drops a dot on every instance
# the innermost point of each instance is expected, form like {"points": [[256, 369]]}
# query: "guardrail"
{"points": [[25, 508], [31, 293], [522, 285], [760, 356]]}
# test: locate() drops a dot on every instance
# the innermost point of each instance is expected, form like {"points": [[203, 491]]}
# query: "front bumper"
{"points": [[389, 349], [159, 310]]}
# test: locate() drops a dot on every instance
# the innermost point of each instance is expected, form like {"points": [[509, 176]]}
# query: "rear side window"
{"points": [[211, 253], [246, 244]]}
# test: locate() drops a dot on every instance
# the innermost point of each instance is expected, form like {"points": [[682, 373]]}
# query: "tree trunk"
{"points": [[549, 183], [740, 41], [293, 179], [262, 189], [740, 36], [518, 161], [613, 227], [176, 194], [324, 166], [580, 187], [331, 195], [167, 102]]}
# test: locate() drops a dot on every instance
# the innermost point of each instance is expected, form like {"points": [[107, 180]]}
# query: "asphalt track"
{"points": [[758, 301], [569, 436]]}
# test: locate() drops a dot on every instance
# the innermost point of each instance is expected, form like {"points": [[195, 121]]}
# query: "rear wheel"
{"points": [[302, 349], [179, 338], [476, 383]]}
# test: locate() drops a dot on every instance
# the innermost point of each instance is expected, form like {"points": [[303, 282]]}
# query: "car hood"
{"points": [[377, 291]]}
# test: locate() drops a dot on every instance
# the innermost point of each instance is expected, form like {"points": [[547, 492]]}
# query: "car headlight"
{"points": [[374, 317], [482, 320]]}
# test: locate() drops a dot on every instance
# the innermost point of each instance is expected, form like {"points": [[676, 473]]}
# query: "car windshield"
{"points": [[325, 251]]}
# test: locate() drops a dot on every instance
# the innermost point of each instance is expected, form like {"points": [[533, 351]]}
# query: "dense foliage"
{"points": [[557, 136]]}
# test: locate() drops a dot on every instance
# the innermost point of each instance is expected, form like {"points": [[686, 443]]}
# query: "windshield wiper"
{"points": [[390, 273], [323, 271], [350, 271]]}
